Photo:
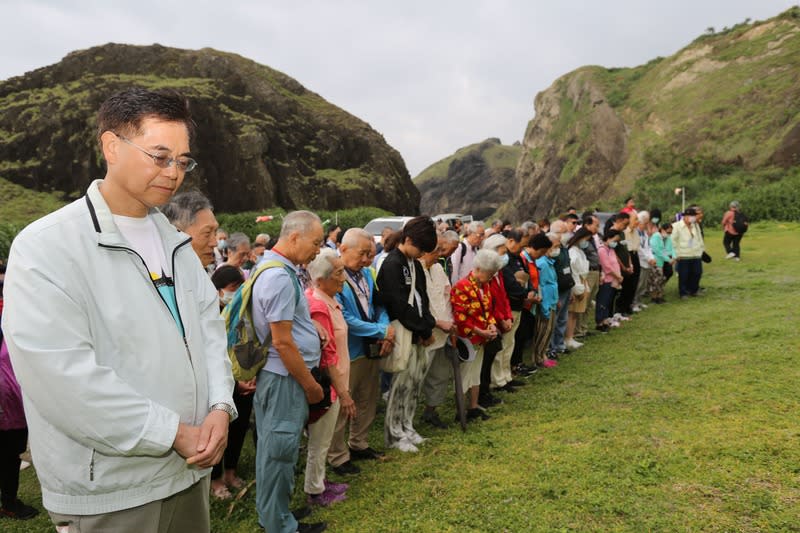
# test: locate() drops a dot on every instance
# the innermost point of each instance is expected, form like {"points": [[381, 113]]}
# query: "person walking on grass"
{"points": [[735, 225], [128, 395]]}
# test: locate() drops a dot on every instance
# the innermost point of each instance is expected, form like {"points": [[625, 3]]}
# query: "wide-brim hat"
{"points": [[466, 351]]}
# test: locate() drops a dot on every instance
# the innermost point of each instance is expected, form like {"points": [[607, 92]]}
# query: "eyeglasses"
{"points": [[184, 164]]}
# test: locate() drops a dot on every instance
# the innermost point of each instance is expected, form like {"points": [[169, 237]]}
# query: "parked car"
{"points": [[376, 226], [450, 217]]}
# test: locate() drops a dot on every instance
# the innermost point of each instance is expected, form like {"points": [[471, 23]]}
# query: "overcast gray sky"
{"points": [[431, 76]]}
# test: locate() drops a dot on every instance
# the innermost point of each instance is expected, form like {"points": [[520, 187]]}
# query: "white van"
{"points": [[376, 226]]}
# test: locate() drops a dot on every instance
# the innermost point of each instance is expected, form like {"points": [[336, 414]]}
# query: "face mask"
{"points": [[691, 220], [566, 237], [503, 261], [612, 244], [222, 244], [584, 245], [555, 252], [227, 296], [656, 220]]}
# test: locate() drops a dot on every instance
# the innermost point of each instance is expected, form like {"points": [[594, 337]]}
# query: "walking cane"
{"points": [[452, 352]]}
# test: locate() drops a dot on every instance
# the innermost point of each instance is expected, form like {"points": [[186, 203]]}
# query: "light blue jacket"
{"points": [[662, 249], [360, 331], [548, 285]]}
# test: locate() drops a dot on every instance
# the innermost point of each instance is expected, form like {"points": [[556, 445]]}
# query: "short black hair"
{"points": [[514, 235], [422, 232], [610, 234], [124, 112], [225, 275], [587, 218], [540, 241]]}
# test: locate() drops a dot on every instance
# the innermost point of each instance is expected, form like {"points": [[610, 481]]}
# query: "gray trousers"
{"points": [[438, 378], [184, 511]]}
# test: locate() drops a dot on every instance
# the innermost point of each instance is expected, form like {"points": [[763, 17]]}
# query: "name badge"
{"points": [[407, 275], [566, 271]]}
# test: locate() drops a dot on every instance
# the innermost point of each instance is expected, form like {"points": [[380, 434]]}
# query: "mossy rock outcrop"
{"points": [[263, 140], [475, 180], [726, 105]]}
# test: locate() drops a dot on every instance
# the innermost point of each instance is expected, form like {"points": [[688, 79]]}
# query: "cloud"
{"points": [[430, 76]]}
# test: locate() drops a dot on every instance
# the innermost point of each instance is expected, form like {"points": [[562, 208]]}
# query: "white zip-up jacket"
{"points": [[105, 373]]}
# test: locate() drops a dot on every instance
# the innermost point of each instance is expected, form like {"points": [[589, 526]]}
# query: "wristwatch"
{"points": [[224, 407]]}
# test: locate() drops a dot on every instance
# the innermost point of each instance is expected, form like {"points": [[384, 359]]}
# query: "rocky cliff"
{"points": [[728, 103], [263, 139], [475, 180]]}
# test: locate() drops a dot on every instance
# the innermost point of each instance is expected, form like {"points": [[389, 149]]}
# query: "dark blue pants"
{"points": [[605, 296], [689, 272]]}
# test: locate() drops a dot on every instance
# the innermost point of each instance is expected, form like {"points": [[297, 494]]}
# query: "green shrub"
{"points": [[7, 234]]}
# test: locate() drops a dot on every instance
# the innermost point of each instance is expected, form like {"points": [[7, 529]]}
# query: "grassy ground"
{"points": [[683, 420]]}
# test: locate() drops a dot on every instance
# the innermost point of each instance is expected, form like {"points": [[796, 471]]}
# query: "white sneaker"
{"points": [[405, 445], [572, 344], [643, 306], [636, 309], [730, 255], [415, 438], [385, 396], [736, 259], [23, 465], [614, 323]]}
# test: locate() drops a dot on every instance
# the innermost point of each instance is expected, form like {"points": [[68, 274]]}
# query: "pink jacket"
{"points": [[608, 265], [12, 415]]}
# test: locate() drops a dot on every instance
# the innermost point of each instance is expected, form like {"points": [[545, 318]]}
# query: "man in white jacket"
{"points": [[114, 331]]}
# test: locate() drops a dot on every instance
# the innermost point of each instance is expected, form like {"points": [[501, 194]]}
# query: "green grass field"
{"points": [[685, 419]]}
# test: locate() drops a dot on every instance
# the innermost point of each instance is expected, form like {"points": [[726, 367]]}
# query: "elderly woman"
{"points": [[327, 275], [471, 299], [403, 292], [580, 291], [238, 252], [493, 373]]}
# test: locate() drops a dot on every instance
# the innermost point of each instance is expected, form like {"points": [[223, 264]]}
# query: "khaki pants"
{"points": [[181, 512], [501, 367], [593, 281], [319, 440], [471, 370], [364, 389]]}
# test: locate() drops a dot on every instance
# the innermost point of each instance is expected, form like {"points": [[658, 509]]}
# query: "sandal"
{"points": [[236, 483], [221, 493]]}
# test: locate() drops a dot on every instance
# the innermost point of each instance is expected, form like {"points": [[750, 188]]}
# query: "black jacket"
{"points": [[394, 284], [515, 291]]}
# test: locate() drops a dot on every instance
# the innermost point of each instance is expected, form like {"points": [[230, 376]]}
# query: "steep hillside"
{"points": [[475, 180], [721, 117], [263, 139]]}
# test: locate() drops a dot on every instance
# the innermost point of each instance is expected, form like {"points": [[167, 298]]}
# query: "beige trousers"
{"points": [[364, 389], [185, 511], [593, 281], [501, 367], [471, 370], [319, 440]]}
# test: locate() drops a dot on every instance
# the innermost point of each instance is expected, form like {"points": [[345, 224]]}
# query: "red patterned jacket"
{"points": [[472, 308]]}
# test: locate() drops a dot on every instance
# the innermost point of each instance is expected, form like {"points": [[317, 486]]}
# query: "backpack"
{"points": [[740, 222], [247, 354]]}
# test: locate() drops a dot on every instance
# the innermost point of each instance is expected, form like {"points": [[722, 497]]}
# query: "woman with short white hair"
{"points": [[327, 277], [472, 303]]}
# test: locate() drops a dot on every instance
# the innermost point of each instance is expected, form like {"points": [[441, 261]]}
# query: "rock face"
{"points": [[262, 140], [726, 103], [475, 180]]}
